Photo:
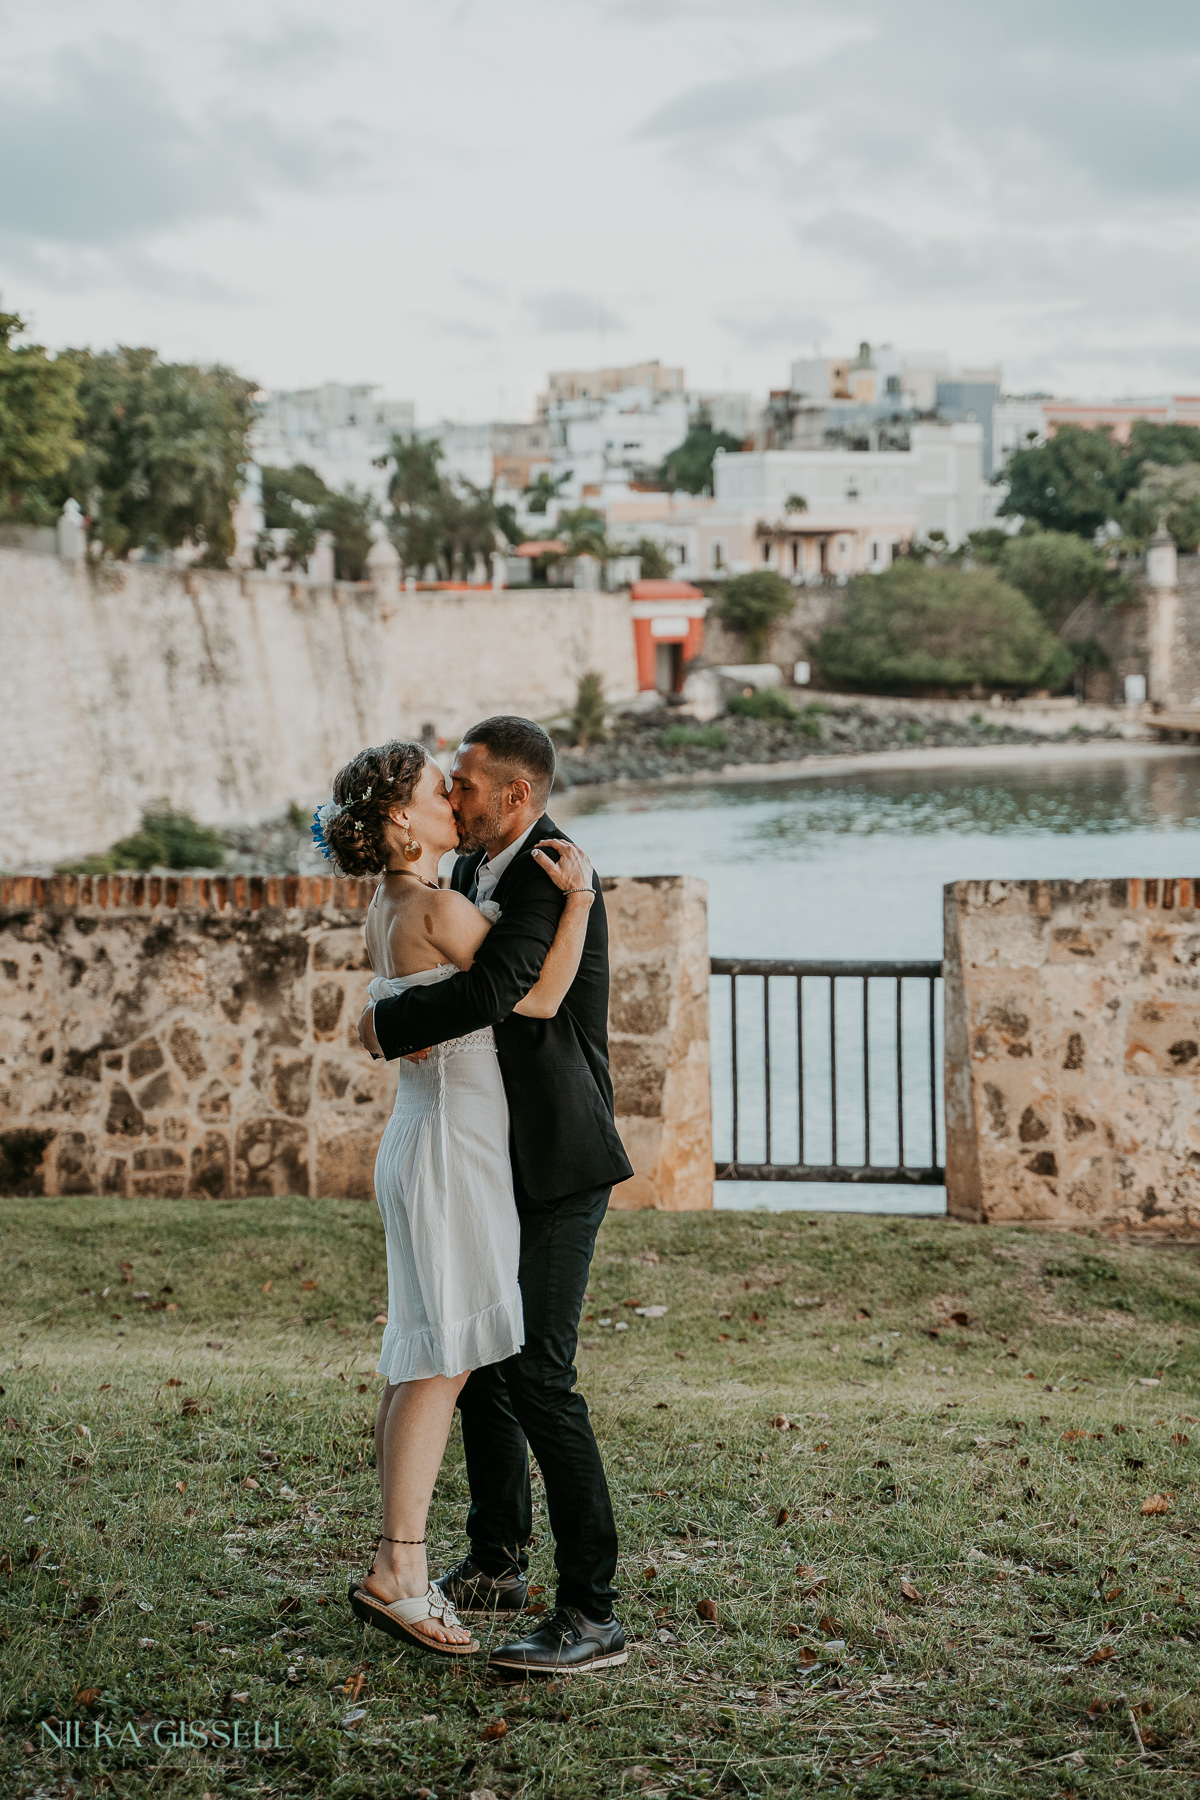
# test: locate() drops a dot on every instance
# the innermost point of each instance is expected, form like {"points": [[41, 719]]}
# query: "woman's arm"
{"points": [[572, 873]]}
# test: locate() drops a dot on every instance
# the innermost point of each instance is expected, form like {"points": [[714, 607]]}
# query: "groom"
{"points": [[566, 1154]]}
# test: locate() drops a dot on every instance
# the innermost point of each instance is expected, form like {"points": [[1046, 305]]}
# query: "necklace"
{"points": [[411, 875]]}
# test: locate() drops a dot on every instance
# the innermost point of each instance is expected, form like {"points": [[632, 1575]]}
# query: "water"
{"points": [[853, 866]]}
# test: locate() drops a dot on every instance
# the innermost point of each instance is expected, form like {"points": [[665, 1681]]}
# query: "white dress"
{"points": [[443, 1181]]}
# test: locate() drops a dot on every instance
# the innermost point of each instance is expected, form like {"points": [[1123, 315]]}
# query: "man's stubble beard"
{"points": [[482, 830]]}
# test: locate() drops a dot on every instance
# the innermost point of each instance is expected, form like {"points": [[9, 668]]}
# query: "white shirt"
{"points": [[489, 872]]}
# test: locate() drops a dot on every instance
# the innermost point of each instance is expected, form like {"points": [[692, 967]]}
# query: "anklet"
{"points": [[383, 1538]]}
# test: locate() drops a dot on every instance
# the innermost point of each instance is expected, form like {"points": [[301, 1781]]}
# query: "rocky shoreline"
{"points": [[652, 746]]}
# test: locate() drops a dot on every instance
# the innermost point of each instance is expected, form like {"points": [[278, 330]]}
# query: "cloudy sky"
{"points": [[450, 197]]}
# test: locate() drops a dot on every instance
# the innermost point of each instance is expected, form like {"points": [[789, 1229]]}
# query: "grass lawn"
{"points": [[881, 1486]]}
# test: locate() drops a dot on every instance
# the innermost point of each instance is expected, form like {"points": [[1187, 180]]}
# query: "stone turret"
{"points": [[1162, 606]]}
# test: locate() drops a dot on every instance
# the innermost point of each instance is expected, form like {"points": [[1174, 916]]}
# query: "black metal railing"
{"points": [[827, 1071]]}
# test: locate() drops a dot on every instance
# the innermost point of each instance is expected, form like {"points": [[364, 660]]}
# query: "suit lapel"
{"points": [[545, 827], [462, 878]]}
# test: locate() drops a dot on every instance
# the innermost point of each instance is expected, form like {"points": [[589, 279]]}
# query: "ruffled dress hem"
{"points": [[489, 1336]]}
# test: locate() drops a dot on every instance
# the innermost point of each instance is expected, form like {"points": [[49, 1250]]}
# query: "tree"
{"points": [[795, 503], [348, 515], [1075, 482], [544, 488], [298, 501], [434, 520], [690, 465], [656, 564], [582, 530], [1166, 445], [751, 604], [1057, 571], [588, 714], [164, 451], [917, 627], [39, 414], [1170, 493]]}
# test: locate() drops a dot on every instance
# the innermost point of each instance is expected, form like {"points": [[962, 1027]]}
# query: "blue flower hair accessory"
{"points": [[322, 819]]}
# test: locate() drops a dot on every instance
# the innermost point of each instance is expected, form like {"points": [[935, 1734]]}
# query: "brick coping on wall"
{"points": [[186, 893], [197, 893]]}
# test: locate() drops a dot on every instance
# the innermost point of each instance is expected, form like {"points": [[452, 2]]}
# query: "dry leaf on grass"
{"points": [[354, 1717], [808, 1656], [782, 1516], [1157, 1503], [1101, 1654], [172, 1381], [780, 1422], [87, 1696], [498, 1728], [1097, 1709], [911, 1593], [1070, 1437], [707, 1610], [308, 1286], [181, 1487], [202, 1628]]}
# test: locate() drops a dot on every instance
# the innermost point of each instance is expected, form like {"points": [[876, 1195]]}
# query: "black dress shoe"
{"points": [[566, 1643], [471, 1590]]}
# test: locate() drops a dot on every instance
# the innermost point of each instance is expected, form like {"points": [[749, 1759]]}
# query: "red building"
{"points": [[668, 631]]}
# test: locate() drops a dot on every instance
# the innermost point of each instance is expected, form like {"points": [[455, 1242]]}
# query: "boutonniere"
{"points": [[489, 909]]}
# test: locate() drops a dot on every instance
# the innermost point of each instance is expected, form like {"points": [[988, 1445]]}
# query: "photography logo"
{"points": [[163, 1734]]}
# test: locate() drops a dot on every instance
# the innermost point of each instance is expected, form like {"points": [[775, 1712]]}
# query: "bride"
{"points": [[443, 1179]]}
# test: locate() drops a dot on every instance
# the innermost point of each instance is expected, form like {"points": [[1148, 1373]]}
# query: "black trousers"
{"points": [[530, 1402]]}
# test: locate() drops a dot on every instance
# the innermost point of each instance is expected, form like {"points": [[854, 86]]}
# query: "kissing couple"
{"points": [[492, 1178]]}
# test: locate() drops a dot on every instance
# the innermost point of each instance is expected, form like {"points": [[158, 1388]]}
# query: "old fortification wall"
{"points": [[230, 695], [176, 1035], [1072, 1053]]}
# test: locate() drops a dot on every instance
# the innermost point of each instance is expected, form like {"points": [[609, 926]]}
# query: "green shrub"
{"points": [[687, 737], [588, 714], [916, 627], [764, 703], [1057, 570], [751, 604], [167, 839]]}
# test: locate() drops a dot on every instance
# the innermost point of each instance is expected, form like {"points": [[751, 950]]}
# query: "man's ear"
{"points": [[520, 790]]}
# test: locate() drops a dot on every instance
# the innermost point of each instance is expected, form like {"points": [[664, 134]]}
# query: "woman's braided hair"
{"points": [[366, 790]]}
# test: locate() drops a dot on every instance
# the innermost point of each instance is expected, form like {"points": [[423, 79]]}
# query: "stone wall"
{"points": [[230, 695], [790, 640], [1072, 1034], [658, 1020], [177, 1035]]}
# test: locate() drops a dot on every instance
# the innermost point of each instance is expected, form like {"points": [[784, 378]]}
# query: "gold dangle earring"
{"points": [[412, 851]]}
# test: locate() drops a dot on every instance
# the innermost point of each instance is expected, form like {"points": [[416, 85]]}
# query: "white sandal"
{"points": [[399, 1617]]}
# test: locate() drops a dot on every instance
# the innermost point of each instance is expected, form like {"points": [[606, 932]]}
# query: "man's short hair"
{"points": [[518, 747]]}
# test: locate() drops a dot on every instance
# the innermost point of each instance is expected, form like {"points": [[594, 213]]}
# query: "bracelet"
{"points": [[590, 891]]}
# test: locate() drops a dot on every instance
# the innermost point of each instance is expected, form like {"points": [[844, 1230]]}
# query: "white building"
{"points": [[604, 444], [339, 430], [813, 514]]}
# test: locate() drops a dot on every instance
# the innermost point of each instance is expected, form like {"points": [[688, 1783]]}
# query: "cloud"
{"points": [[294, 48], [467, 329], [740, 100], [759, 331], [565, 311], [102, 156]]}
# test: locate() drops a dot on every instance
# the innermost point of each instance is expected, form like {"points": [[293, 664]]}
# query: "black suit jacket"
{"points": [[560, 1098]]}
